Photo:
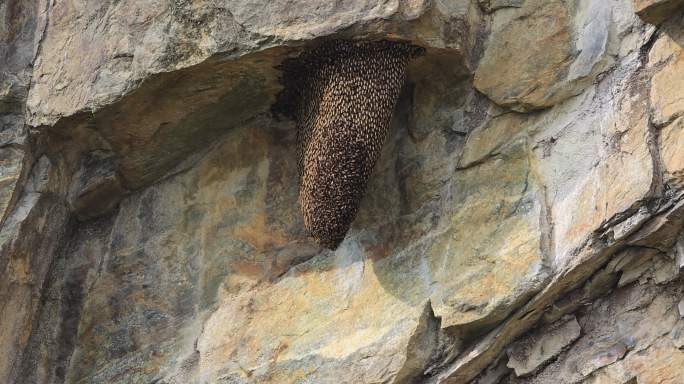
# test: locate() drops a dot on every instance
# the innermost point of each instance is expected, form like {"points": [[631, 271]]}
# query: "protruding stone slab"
{"points": [[543, 52], [96, 188], [606, 353], [530, 353], [493, 5], [597, 165], [657, 11], [666, 58], [494, 241]]}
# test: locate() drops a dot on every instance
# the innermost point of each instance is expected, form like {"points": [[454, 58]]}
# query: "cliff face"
{"points": [[523, 224]]}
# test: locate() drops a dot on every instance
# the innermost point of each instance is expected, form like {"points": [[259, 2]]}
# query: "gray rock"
{"points": [[529, 354], [151, 230]]}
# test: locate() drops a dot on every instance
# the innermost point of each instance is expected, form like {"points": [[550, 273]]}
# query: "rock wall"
{"points": [[523, 224]]}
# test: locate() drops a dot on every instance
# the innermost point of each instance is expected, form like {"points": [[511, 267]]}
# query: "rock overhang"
{"points": [[157, 98]]}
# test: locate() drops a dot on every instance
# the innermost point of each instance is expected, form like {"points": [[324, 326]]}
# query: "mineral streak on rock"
{"points": [[342, 95]]}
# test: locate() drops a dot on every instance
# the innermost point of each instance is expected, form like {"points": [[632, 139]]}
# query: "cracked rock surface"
{"points": [[523, 223]]}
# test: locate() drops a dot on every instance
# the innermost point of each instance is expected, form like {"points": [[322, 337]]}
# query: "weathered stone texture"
{"points": [[630, 335], [522, 225], [672, 139], [549, 50], [528, 354], [666, 59], [657, 11]]}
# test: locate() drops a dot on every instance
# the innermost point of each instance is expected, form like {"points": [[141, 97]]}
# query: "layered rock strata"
{"points": [[522, 223]]}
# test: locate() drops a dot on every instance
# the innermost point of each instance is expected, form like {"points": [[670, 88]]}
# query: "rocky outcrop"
{"points": [[551, 50], [522, 224], [656, 11]]}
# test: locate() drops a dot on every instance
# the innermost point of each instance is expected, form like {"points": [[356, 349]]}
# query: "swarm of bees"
{"points": [[342, 95]]}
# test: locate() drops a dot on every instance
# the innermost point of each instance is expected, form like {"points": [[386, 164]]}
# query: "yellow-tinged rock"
{"points": [[488, 139], [594, 166], [667, 59], [491, 254], [672, 152], [321, 318]]}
